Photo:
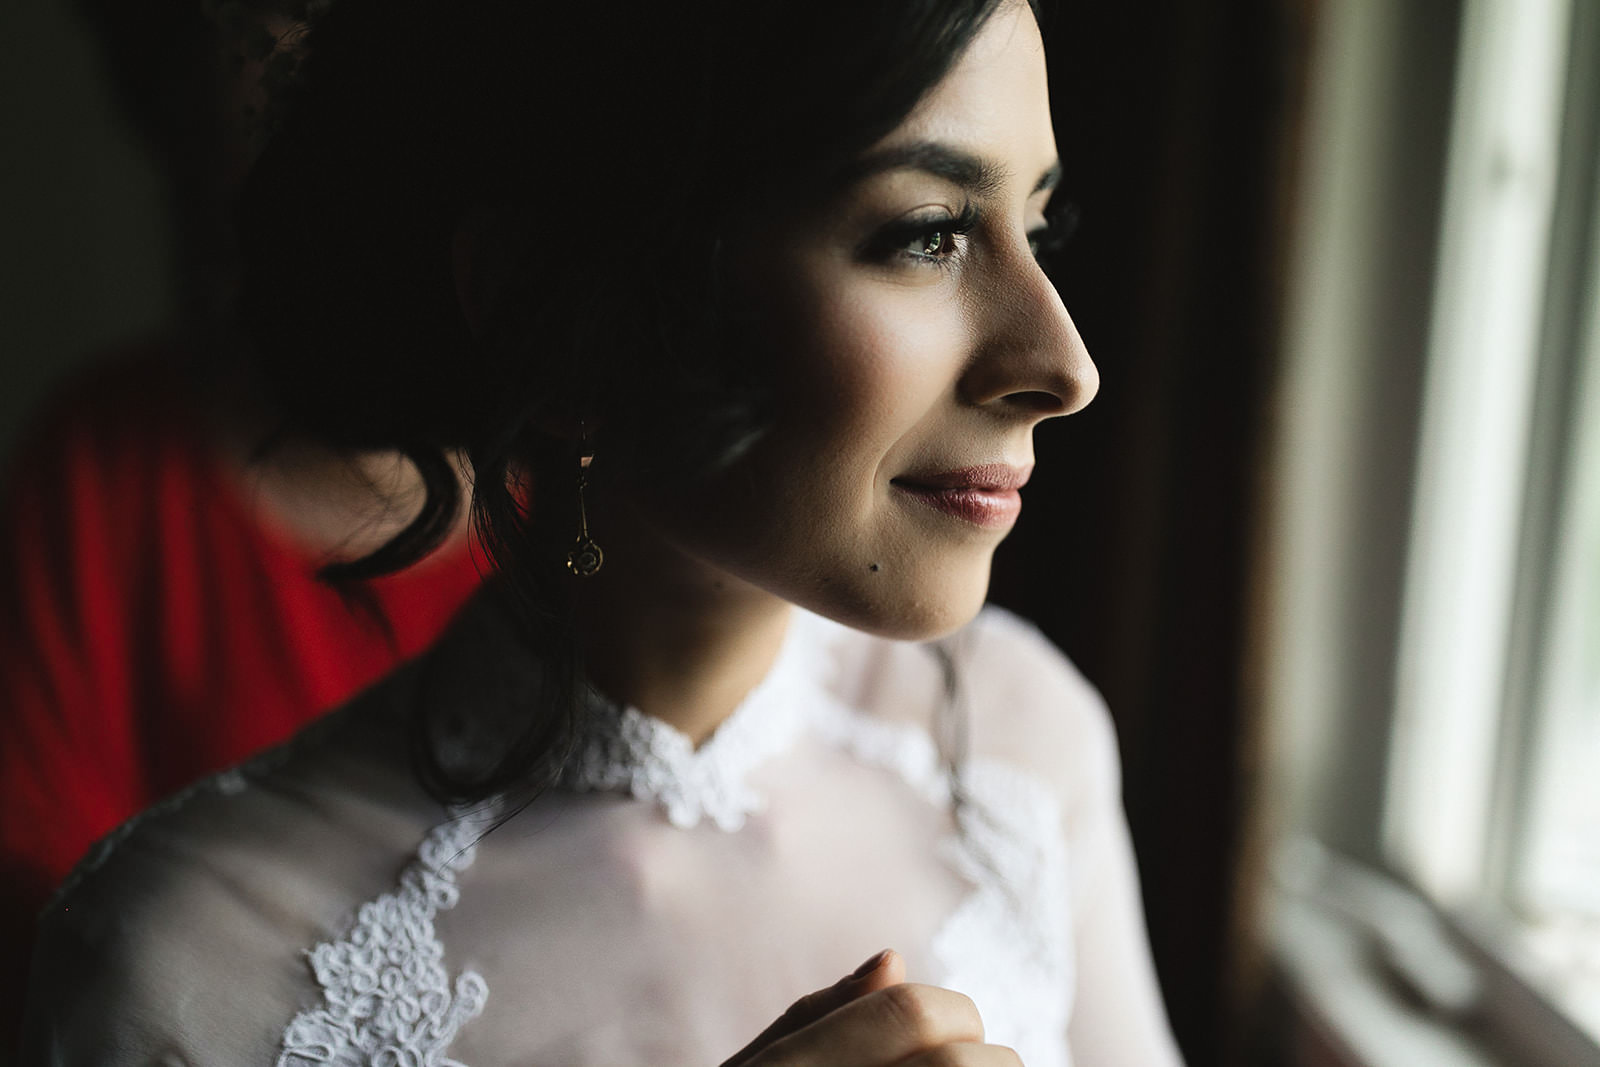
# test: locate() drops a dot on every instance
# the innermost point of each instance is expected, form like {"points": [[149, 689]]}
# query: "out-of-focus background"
{"points": [[85, 244], [1329, 538]]}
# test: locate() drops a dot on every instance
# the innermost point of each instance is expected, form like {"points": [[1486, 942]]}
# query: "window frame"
{"points": [[1310, 638]]}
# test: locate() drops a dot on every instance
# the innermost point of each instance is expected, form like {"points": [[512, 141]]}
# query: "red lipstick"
{"points": [[985, 495]]}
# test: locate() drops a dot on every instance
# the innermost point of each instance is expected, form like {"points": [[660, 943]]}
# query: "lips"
{"points": [[985, 496]]}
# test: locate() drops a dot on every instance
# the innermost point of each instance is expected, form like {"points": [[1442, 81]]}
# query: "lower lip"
{"points": [[993, 509]]}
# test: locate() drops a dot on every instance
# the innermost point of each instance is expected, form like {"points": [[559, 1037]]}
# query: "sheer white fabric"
{"points": [[661, 907]]}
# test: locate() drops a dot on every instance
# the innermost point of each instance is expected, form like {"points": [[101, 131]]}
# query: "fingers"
{"points": [[966, 1055], [872, 1018], [883, 1027], [878, 972], [885, 969]]}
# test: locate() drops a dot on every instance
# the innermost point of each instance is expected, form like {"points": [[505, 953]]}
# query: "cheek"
{"points": [[860, 369], [865, 373]]}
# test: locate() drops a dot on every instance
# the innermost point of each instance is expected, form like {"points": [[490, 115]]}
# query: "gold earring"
{"points": [[586, 557]]}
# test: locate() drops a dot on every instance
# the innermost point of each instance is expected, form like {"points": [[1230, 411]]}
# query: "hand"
{"points": [[874, 1018]]}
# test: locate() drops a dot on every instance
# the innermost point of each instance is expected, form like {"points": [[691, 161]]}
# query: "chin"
{"points": [[923, 606]]}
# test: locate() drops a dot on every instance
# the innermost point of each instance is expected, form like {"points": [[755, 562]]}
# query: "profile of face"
{"points": [[915, 343]]}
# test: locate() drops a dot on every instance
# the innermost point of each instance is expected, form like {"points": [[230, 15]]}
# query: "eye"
{"points": [[935, 244], [927, 240]]}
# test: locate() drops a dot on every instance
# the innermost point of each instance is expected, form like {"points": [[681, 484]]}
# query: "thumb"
{"points": [[878, 972], [885, 969]]}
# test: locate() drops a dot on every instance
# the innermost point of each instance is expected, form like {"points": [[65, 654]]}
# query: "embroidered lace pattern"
{"points": [[1007, 945], [386, 996], [623, 749]]}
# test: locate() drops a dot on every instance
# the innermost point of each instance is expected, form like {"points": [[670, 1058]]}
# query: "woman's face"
{"points": [[916, 344]]}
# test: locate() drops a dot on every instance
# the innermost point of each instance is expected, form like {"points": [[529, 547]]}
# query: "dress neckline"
{"points": [[620, 748]]}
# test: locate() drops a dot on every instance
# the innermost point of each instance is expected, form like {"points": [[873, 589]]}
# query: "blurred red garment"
{"points": [[154, 628]]}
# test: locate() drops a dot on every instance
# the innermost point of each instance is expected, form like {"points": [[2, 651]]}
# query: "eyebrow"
{"points": [[978, 176]]}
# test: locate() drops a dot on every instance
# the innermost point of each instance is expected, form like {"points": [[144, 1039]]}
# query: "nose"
{"points": [[1029, 359]]}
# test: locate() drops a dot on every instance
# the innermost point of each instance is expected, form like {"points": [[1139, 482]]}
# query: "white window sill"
{"points": [[1378, 980], [1341, 991]]}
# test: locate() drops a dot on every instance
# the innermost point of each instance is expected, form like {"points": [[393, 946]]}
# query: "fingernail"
{"points": [[869, 966]]}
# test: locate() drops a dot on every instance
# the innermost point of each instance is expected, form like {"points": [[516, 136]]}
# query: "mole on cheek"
{"points": [[873, 567]]}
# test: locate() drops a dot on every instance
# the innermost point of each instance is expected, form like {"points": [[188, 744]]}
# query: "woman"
{"points": [[736, 311]]}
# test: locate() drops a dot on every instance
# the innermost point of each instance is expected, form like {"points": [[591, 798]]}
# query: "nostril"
{"points": [[1037, 402], [1031, 366]]}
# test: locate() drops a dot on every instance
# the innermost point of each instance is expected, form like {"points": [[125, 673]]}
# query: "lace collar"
{"points": [[621, 748]]}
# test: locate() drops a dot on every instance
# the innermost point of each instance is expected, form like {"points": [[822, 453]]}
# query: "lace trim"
{"points": [[386, 996], [1007, 944], [624, 749]]}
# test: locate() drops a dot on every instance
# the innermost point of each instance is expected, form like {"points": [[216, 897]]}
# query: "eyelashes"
{"points": [[940, 239], [936, 239]]}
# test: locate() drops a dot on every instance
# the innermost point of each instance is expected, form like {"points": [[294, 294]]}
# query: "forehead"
{"points": [[995, 101]]}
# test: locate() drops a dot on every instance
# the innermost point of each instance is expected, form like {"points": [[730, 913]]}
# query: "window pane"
{"points": [[1483, 365], [1556, 886]]}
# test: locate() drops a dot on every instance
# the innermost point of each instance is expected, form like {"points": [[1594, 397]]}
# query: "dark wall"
{"points": [[83, 235], [1175, 121]]}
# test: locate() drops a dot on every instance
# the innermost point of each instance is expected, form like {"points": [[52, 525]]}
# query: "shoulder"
{"points": [[1015, 670], [160, 955], [184, 934], [1025, 703], [162, 935], [1031, 707]]}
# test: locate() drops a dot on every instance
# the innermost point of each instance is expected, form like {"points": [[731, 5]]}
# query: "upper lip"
{"points": [[991, 477]]}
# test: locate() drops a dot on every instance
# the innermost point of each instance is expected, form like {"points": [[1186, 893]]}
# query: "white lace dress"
{"points": [[662, 906]]}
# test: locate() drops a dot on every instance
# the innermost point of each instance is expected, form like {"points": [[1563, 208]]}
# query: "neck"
{"points": [[672, 636]]}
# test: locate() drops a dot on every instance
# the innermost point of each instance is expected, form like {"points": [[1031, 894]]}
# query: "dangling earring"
{"points": [[586, 558]]}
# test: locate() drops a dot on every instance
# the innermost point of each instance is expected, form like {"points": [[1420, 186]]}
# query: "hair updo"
{"points": [[607, 153]]}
